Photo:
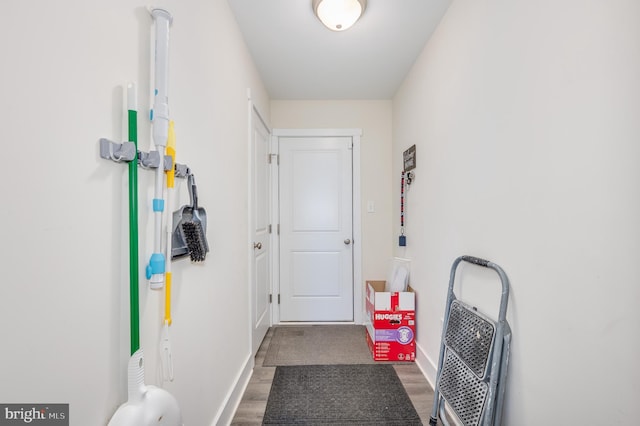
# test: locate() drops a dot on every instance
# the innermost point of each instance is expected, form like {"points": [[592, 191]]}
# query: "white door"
{"points": [[260, 241], [316, 229]]}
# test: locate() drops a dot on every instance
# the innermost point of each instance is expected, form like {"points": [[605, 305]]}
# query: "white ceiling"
{"points": [[298, 58]]}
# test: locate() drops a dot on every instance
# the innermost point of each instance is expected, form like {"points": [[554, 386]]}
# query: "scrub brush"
{"points": [[193, 226], [193, 235]]}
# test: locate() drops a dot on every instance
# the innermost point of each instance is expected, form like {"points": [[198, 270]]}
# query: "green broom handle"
{"points": [[132, 117]]}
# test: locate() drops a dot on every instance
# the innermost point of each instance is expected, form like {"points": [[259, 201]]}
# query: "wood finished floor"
{"points": [[254, 401]]}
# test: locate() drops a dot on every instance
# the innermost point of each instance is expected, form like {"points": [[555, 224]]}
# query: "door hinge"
{"points": [[271, 156], [278, 229], [270, 298], [278, 298], [269, 228]]}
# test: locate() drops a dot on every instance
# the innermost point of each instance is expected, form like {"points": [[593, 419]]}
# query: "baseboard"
{"points": [[430, 370], [426, 365], [233, 398]]}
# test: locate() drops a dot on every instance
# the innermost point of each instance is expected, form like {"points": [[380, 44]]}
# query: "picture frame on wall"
{"points": [[409, 158]]}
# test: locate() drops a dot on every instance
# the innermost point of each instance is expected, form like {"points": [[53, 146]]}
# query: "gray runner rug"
{"points": [[318, 344], [339, 395]]}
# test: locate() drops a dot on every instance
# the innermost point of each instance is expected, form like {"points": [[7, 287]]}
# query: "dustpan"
{"points": [[190, 227]]}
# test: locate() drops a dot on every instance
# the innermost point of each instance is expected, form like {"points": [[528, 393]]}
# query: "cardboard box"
{"points": [[391, 323]]}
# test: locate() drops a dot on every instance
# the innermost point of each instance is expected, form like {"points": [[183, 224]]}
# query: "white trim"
{"points": [[225, 415], [429, 370], [358, 295], [250, 168], [319, 323], [275, 237], [426, 365], [264, 123], [316, 132]]}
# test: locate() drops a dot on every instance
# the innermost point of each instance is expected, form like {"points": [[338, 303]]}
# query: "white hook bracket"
{"points": [[117, 152]]}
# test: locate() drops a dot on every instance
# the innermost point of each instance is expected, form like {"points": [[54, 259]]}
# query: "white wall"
{"points": [[374, 118], [64, 293], [525, 116]]}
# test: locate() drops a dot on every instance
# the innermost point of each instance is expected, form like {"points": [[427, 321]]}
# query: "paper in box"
{"points": [[390, 322]]}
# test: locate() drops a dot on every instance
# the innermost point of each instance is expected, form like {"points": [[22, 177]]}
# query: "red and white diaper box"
{"points": [[391, 323]]}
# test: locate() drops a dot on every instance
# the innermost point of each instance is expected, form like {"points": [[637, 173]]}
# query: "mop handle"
{"points": [[160, 132], [132, 118], [171, 151]]}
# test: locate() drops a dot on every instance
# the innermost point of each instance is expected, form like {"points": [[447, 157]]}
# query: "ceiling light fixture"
{"points": [[339, 15]]}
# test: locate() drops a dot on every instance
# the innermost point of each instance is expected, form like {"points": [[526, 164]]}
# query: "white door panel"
{"points": [[260, 213], [316, 190], [316, 271]]}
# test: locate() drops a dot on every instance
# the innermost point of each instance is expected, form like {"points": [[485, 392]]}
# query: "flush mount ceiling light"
{"points": [[339, 15]]}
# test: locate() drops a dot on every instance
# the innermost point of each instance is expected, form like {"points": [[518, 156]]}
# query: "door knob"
{"points": [[347, 241], [257, 245]]}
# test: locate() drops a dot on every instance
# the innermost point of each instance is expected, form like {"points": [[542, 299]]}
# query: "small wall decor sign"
{"points": [[409, 157]]}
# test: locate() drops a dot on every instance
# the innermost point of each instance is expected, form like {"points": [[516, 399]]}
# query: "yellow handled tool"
{"points": [[167, 360], [171, 175]]}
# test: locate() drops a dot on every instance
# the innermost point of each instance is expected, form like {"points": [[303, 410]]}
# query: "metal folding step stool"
{"points": [[474, 354]]}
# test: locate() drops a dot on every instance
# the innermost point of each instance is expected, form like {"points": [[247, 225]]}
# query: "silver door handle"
{"points": [[347, 241], [257, 245]]}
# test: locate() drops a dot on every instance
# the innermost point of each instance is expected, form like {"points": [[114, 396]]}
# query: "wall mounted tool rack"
{"points": [[126, 151]]}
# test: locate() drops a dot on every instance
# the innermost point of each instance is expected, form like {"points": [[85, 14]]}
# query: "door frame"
{"points": [[254, 113], [358, 294]]}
